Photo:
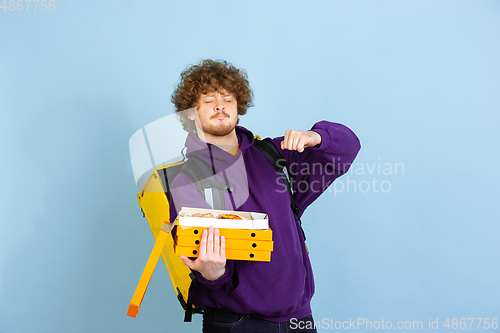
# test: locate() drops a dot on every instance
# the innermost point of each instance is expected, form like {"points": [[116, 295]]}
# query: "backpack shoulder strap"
{"points": [[271, 153], [205, 182]]}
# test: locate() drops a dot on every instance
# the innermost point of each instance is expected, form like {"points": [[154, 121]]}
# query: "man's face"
{"points": [[217, 112]]}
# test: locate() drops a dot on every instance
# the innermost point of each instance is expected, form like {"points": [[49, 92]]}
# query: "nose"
{"points": [[219, 106]]}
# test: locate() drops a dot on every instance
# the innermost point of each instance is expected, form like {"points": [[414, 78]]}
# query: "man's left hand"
{"points": [[298, 140]]}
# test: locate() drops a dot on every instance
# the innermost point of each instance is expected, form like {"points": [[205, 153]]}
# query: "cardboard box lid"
{"points": [[251, 220]]}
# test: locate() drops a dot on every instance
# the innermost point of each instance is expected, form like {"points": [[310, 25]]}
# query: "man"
{"points": [[250, 296]]}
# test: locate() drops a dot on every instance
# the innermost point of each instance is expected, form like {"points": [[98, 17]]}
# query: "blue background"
{"points": [[418, 81]]}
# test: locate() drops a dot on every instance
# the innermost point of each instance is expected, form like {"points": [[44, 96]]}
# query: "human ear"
{"points": [[191, 114]]}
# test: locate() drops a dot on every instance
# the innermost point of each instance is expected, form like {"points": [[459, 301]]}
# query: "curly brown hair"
{"points": [[210, 75]]}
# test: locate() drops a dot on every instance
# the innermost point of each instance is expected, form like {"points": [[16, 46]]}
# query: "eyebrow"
{"points": [[212, 94]]}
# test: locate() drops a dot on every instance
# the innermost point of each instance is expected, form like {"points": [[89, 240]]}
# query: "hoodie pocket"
{"points": [[271, 288]]}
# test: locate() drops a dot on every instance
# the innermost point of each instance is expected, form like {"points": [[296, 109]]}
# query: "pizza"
{"points": [[229, 217], [221, 216]]}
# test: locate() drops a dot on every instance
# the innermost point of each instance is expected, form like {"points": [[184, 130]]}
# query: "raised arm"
{"points": [[316, 162]]}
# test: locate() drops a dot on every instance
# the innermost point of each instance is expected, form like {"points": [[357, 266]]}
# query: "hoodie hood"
{"points": [[212, 155], [226, 167], [194, 144]]}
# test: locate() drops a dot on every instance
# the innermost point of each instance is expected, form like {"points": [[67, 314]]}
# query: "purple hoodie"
{"points": [[282, 288]]}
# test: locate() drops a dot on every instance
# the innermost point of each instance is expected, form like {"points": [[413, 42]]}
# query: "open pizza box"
{"points": [[248, 238]]}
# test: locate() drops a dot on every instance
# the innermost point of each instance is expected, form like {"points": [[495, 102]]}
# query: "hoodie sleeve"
{"points": [[316, 168], [184, 194]]}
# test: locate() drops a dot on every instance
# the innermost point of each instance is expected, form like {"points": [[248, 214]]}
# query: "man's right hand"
{"points": [[211, 261]]}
